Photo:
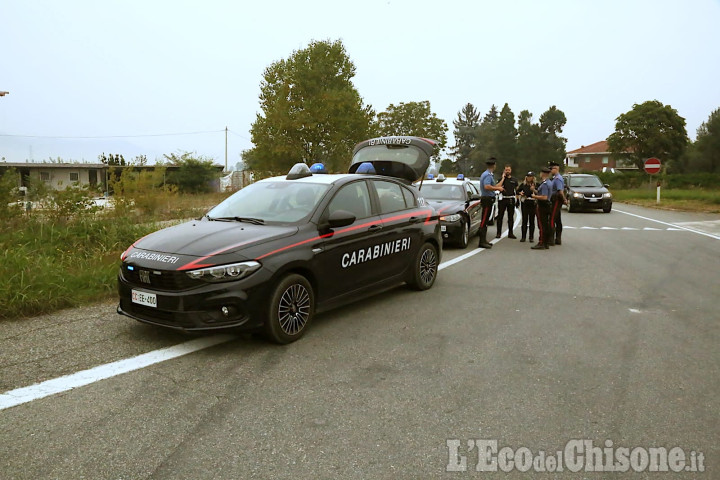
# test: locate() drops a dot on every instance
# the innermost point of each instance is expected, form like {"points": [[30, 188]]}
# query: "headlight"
{"points": [[607, 195], [224, 273], [450, 218], [578, 195]]}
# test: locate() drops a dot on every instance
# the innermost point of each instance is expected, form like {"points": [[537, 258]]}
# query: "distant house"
{"points": [[59, 175], [596, 158]]}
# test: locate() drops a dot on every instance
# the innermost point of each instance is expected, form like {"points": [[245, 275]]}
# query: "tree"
{"points": [[115, 160], [506, 137], [649, 129], [195, 173], [468, 119], [414, 119], [310, 111], [705, 152], [529, 142], [552, 146]]}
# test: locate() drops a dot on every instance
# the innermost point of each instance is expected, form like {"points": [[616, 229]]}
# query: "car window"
{"points": [[272, 201], [469, 189], [353, 198], [390, 195], [442, 191], [589, 181], [410, 201]]}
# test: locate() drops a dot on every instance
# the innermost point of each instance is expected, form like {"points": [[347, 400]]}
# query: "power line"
{"points": [[112, 136]]}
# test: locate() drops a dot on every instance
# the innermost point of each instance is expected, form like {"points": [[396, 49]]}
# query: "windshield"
{"points": [[283, 202], [589, 181], [439, 191]]}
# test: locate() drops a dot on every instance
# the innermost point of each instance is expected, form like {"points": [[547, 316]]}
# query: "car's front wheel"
{"points": [[571, 208], [607, 209], [465, 235], [425, 268], [290, 310]]}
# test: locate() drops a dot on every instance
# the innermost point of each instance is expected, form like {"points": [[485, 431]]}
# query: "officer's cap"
{"points": [[545, 170], [490, 161], [530, 174], [553, 164]]}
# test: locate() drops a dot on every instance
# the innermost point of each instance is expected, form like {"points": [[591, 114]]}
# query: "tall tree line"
{"points": [[523, 144]]}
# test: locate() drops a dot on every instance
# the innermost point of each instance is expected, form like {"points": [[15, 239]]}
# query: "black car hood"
{"points": [[599, 190], [446, 206], [201, 238]]}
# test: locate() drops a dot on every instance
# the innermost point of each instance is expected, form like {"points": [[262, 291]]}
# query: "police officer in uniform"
{"points": [[507, 201], [557, 199], [542, 197], [487, 199], [528, 205]]}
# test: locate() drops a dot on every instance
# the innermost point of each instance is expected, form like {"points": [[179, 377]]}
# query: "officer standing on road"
{"points": [[528, 205], [557, 199], [487, 199], [542, 197], [507, 201]]}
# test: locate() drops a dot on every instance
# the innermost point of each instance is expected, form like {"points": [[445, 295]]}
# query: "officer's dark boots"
{"points": [[539, 246], [483, 239], [523, 231], [510, 233], [558, 239], [551, 241]]}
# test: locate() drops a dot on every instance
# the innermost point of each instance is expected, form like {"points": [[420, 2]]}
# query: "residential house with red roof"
{"points": [[596, 158]]}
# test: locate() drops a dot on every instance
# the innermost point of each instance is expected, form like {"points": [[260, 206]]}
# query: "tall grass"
{"points": [[49, 262]]}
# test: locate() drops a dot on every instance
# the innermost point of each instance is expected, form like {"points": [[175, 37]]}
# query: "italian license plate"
{"points": [[593, 199], [443, 228], [144, 298]]}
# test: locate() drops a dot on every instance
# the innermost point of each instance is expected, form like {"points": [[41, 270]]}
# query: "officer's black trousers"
{"points": [[486, 203], [529, 210], [555, 218], [544, 210], [509, 205]]}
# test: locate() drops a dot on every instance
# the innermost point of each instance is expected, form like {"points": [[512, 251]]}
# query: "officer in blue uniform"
{"points": [[558, 199], [487, 199], [542, 197]]}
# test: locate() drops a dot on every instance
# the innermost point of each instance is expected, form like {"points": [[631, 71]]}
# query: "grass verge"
{"points": [[692, 200]]}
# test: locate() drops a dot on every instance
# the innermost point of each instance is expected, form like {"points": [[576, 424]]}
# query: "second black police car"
{"points": [[276, 252], [457, 201]]}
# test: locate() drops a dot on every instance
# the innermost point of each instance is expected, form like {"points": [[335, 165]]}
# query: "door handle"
{"points": [[414, 219], [375, 228]]}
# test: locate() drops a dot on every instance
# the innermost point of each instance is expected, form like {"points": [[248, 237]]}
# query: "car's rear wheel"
{"points": [[465, 235], [290, 310], [425, 268]]}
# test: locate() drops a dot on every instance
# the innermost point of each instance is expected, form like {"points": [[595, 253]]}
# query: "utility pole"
{"points": [[226, 131]]}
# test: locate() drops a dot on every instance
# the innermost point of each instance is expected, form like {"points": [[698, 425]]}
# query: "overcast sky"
{"points": [[137, 68]]}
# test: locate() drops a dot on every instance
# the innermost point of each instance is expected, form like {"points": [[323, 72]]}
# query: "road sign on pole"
{"points": [[652, 166]]}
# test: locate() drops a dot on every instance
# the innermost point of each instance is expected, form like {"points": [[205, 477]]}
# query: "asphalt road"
{"points": [[611, 337]]}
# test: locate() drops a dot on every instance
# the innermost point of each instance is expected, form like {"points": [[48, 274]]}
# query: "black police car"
{"points": [[274, 253], [457, 201], [585, 191]]}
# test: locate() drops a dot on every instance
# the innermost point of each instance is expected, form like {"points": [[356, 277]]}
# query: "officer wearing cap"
{"points": [[507, 201], [487, 199], [542, 197], [557, 198], [528, 205]]}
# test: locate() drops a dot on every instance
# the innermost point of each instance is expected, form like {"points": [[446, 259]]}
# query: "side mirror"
{"points": [[340, 218], [475, 196], [606, 185]]}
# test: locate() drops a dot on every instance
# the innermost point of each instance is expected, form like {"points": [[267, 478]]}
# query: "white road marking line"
{"points": [[608, 228], [629, 228], [674, 226], [459, 259], [588, 228], [101, 372], [634, 310], [65, 383], [652, 229]]}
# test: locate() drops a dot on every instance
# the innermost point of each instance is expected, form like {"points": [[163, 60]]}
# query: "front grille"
{"points": [[593, 195], [159, 279]]}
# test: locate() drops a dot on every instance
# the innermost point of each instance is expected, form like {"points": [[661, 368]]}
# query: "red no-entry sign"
{"points": [[652, 166]]}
